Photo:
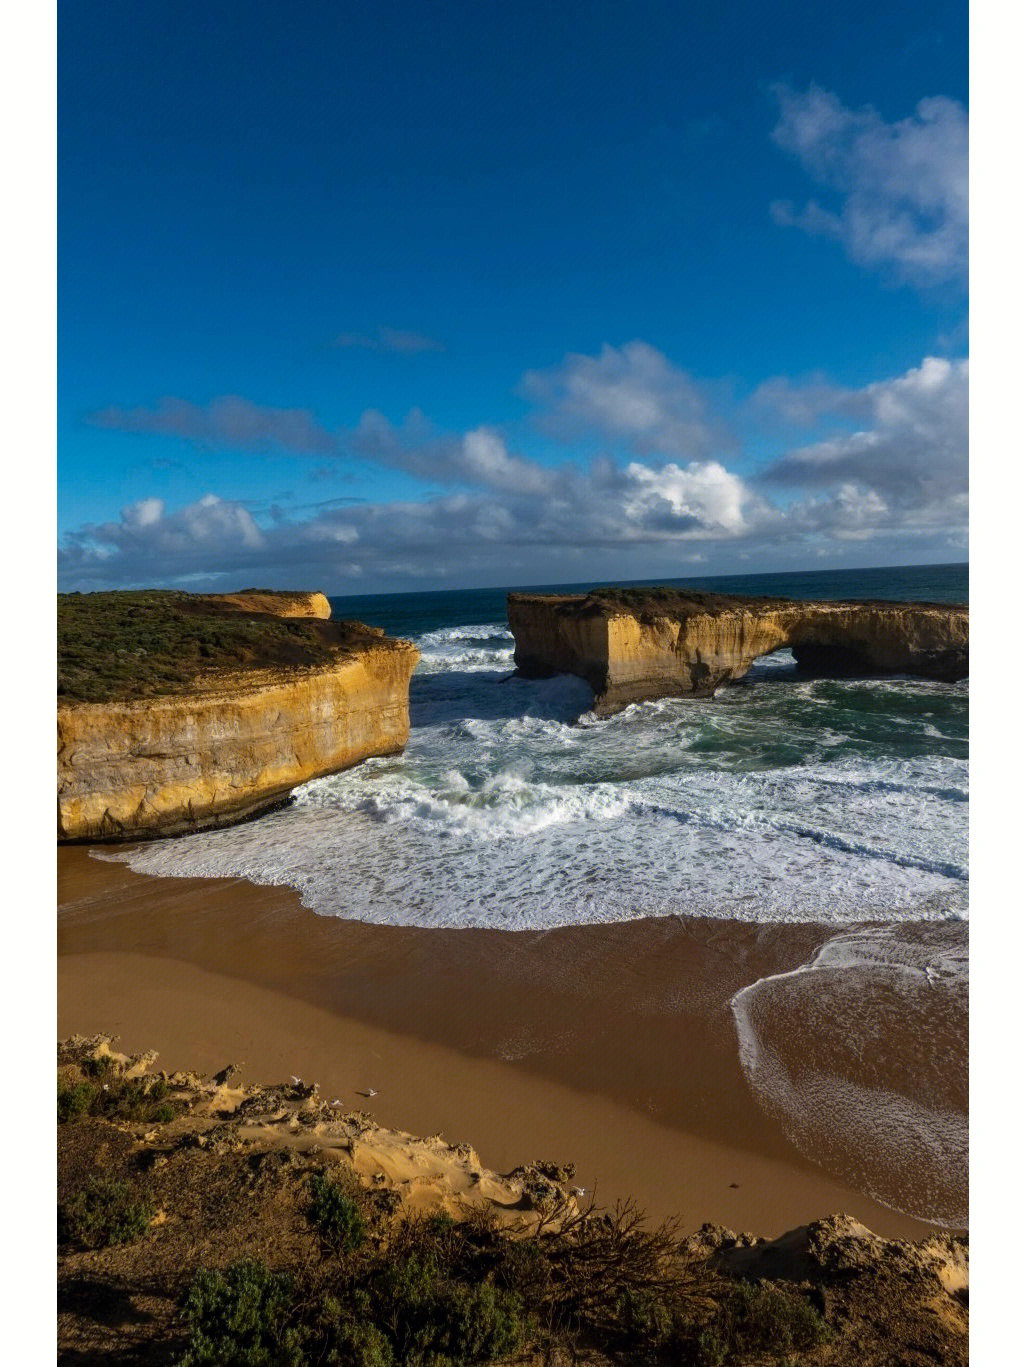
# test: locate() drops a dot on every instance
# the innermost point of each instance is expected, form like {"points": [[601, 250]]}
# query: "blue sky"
{"points": [[407, 296]]}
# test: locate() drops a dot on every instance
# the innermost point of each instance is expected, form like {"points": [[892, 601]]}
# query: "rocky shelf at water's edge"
{"points": [[160, 747], [635, 644]]}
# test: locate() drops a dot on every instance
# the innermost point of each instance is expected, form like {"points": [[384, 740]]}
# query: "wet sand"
{"points": [[612, 1046]]}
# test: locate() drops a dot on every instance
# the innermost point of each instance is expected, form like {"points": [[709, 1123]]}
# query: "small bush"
{"points": [[106, 1092], [477, 1324], [644, 1317], [73, 1100], [760, 1318], [102, 1213], [354, 1341], [336, 1214], [521, 1267], [435, 1322], [242, 1317]]}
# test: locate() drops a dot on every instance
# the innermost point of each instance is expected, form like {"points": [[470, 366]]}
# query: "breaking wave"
{"points": [[514, 807]]}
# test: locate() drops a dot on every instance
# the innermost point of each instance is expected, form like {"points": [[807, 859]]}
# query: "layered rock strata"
{"points": [[635, 644], [234, 745]]}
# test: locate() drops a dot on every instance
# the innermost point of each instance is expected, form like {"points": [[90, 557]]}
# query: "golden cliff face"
{"points": [[631, 646], [278, 604], [229, 748]]}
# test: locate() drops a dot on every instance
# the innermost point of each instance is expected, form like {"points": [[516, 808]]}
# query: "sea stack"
{"points": [[635, 644], [178, 711]]}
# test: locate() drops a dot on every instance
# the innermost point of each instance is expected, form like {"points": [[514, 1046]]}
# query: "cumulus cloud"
{"points": [[228, 421], [906, 462], [899, 191], [703, 493], [888, 459], [187, 541], [631, 393], [501, 533], [395, 340], [479, 458]]}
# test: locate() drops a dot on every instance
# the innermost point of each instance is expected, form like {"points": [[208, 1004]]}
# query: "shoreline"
{"points": [[609, 1046]]}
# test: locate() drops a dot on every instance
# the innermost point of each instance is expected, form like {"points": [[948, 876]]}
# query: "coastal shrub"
{"points": [[101, 1213], [434, 1322], [138, 644], [644, 1318], [336, 1213], [242, 1317], [73, 1099], [106, 1092], [352, 1341], [759, 1318], [521, 1266]]}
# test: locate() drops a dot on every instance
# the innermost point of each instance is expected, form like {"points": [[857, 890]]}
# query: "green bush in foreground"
{"points": [[243, 1317], [102, 1213], [760, 1318], [73, 1100], [438, 1293], [336, 1214], [435, 1321], [400, 1311]]}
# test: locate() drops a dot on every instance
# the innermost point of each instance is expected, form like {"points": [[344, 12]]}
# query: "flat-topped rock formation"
{"points": [[635, 644], [178, 712]]}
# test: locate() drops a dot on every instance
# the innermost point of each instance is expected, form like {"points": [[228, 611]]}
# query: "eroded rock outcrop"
{"points": [[234, 743], [634, 644]]}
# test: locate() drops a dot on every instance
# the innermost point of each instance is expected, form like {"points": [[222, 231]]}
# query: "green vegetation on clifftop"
{"points": [[120, 646]]}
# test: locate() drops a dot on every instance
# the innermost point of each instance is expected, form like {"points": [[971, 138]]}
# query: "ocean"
{"points": [[840, 802], [513, 808]]}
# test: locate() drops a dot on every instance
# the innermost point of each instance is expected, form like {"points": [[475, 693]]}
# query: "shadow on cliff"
{"points": [[495, 695]]}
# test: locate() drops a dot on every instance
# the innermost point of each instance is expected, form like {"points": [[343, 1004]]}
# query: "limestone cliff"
{"points": [[268, 600], [633, 644], [235, 742]]}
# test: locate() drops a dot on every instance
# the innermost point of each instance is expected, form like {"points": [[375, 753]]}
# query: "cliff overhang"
{"points": [[631, 645]]}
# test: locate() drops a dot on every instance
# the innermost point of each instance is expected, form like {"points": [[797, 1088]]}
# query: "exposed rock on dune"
{"points": [[235, 740], [634, 644]]}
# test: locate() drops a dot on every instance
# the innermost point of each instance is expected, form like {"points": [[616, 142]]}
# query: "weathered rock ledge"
{"points": [[635, 644], [237, 742]]}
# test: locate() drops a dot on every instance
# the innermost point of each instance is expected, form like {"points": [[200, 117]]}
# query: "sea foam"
{"points": [[514, 807], [860, 1056]]}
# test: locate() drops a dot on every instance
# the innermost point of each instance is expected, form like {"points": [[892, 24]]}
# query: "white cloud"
{"points": [[900, 190], [704, 491], [150, 542], [888, 460], [910, 451], [632, 393]]}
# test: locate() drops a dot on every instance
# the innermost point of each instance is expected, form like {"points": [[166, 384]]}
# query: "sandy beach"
{"points": [[612, 1047]]}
